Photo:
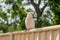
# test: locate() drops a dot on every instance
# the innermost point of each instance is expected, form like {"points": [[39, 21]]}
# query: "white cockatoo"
{"points": [[29, 22]]}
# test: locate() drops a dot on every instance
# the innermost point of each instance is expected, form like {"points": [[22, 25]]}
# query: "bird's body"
{"points": [[29, 22]]}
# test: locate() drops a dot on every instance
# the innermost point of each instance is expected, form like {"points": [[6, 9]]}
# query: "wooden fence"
{"points": [[47, 33]]}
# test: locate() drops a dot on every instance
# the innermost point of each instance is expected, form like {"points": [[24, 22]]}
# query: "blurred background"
{"points": [[13, 14]]}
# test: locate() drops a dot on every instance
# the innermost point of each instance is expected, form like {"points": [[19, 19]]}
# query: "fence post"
{"points": [[11, 36]]}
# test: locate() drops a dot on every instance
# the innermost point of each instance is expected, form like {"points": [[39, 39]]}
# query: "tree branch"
{"points": [[32, 2], [44, 7], [36, 7], [39, 2]]}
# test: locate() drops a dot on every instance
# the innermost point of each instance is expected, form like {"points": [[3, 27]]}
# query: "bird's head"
{"points": [[30, 14]]}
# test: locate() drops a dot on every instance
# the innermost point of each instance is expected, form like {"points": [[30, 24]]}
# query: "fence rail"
{"points": [[46, 33]]}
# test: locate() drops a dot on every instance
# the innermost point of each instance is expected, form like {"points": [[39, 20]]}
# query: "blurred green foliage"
{"points": [[55, 8]]}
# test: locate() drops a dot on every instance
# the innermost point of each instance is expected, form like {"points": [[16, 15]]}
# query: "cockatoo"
{"points": [[29, 22]]}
